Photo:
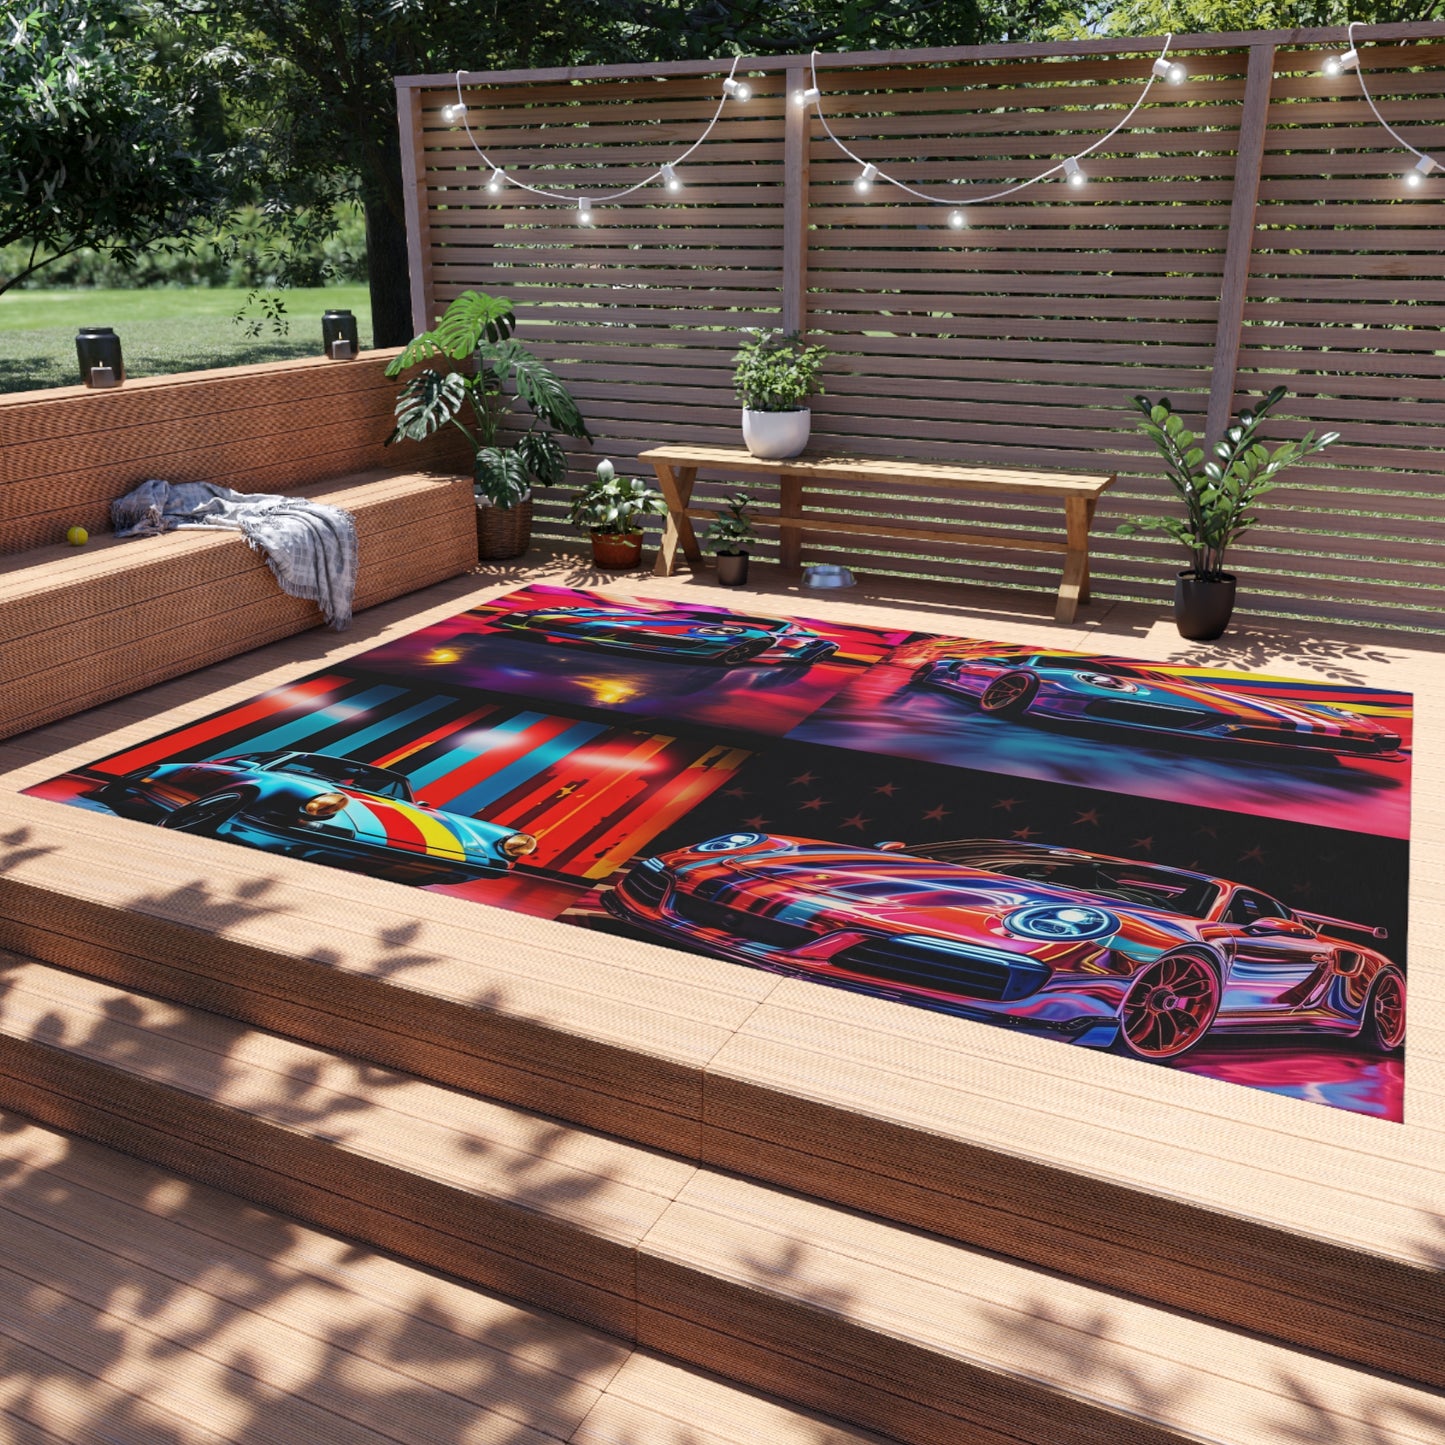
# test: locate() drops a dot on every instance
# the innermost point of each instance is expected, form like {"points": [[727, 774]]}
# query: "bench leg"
{"points": [[676, 488], [1074, 587], [790, 539]]}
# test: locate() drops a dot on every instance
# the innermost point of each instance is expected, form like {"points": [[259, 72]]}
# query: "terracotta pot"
{"points": [[1202, 609], [732, 569], [503, 531], [773, 435], [616, 554]]}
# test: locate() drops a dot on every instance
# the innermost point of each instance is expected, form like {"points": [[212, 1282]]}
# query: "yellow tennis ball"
{"points": [[77, 536]]}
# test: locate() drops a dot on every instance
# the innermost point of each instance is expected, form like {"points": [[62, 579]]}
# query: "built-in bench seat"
{"points": [[79, 626]]}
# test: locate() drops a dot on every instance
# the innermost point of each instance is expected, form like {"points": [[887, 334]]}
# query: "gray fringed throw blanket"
{"points": [[310, 548]]}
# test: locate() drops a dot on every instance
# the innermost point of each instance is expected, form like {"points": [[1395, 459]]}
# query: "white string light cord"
{"points": [[1425, 165], [1162, 69], [732, 89]]}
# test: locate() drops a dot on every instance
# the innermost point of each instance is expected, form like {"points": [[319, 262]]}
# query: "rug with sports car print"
{"points": [[1196, 869]]}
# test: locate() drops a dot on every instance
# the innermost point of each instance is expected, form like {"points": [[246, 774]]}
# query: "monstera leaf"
{"points": [[470, 319], [537, 385], [500, 475], [544, 457], [428, 401]]}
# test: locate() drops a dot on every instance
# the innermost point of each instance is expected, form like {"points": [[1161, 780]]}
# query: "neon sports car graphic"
{"points": [[720, 637], [321, 808], [1120, 694], [1094, 950]]}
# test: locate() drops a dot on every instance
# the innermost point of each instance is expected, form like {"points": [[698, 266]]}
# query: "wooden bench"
{"points": [[80, 626], [677, 468]]}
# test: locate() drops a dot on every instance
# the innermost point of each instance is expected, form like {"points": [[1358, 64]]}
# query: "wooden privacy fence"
{"points": [[1249, 227]]}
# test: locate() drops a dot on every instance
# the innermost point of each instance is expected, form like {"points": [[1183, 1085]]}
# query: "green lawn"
{"points": [[161, 330]]}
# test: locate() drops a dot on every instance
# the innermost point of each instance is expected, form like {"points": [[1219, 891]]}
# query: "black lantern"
{"points": [[98, 350], [339, 336]]}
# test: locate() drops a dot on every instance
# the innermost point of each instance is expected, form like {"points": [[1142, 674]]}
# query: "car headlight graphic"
{"points": [[1061, 922], [1108, 681], [518, 845], [729, 843], [324, 805]]}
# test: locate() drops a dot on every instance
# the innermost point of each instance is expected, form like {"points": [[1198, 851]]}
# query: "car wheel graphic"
{"points": [[1384, 1025], [1170, 1008], [206, 815], [740, 652], [1010, 695]]}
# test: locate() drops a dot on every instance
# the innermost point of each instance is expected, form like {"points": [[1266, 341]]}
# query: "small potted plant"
{"points": [[731, 536], [611, 508], [1219, 497], [479, 328], [776, 373]]}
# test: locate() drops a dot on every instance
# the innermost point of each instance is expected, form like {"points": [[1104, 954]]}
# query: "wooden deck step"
{"points": [[888, 1328], [1140, 1180], [138, 1307]]}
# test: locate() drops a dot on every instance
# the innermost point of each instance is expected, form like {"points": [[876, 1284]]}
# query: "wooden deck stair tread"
{"points": [[575, 1024], [229, 1322], [887, 1326]]}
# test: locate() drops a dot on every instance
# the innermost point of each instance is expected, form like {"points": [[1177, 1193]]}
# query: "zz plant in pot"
{"points": [[731, 537], [775, 375], [506, 463], [1220, 490], [611, 508]]}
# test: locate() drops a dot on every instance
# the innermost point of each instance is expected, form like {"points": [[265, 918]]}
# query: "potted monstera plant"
{"points": [[731, 537], [506, 462], [611, 509], [1219, 490], [776, 373]]}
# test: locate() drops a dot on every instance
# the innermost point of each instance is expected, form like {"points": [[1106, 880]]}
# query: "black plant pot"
{"points": [[732, 569], [1202, 608]]}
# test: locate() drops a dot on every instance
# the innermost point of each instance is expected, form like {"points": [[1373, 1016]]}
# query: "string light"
{"points": [[456, 113], [1161, 69], [1336, 65]]}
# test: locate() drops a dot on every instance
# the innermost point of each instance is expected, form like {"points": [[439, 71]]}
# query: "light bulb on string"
{"points": [[584, 211], [806, 97], [957, 220], [1338, 64], [865, 178], [736, 88], [454, 112], [1422, 168], [497, 180], [1170, 70], [1072, 173], [669, 177]]}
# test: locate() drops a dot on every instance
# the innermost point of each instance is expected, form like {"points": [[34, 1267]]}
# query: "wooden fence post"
{"points": [[795, 203], [413, 187], [1234, 288]]}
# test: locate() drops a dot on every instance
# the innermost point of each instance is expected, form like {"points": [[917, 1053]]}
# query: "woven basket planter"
{"points": [[503, 531]]}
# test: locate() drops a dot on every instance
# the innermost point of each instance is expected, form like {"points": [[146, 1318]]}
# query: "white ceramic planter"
{"points": [[772, 435]]}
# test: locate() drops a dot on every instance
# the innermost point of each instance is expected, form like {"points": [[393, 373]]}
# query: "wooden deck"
{"points": [[936, 1231]]}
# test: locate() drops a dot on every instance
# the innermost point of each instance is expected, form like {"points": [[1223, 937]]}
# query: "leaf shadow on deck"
{"points": [[150, 1308]]}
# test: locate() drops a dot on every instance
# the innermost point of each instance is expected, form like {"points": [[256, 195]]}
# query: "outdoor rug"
{"points": [[1199, 869]]}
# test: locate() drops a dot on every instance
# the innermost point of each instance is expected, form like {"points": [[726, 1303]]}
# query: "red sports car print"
{"points": [[1091, 949]]}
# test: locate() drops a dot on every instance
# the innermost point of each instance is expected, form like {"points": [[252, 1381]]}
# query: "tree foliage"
{"points": [[97, 147]]}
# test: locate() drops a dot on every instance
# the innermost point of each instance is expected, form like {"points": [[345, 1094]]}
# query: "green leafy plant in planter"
{"points": [[611, 508], [775, 374], [479, 328], [731, 537], [1219, 496]]}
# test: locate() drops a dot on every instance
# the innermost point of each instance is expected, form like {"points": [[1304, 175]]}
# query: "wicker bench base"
{"points": [[79, 628]]}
